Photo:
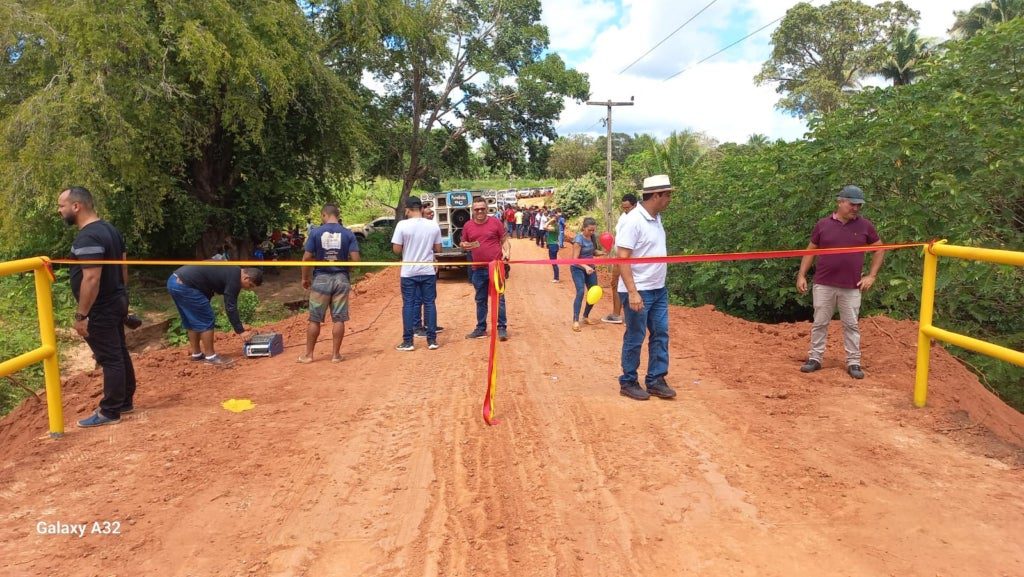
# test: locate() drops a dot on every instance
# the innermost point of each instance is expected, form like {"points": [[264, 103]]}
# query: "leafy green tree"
{"points": [[191, 121], [985, 14], [571, 156], [906, 53], [819, 54], [479, 69], [622, 146], [939, 158]]}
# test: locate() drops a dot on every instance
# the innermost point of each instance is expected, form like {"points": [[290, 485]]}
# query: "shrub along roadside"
{"points": [[939, 158]]}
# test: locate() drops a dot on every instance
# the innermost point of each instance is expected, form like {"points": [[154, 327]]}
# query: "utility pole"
{"points": [[608, 171]]}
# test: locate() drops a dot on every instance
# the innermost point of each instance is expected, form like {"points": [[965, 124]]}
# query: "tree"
{"points": [[189, 121], [680, 151], [757, 140], [819, 54], [477, 69], [622, 146], [983, 15], [572, 156], [906, 52]]}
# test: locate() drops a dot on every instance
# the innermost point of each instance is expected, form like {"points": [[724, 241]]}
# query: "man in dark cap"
{"points": [[838, 280]]}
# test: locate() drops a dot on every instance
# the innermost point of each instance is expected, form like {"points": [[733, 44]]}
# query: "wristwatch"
{"points": [[80, 317]]}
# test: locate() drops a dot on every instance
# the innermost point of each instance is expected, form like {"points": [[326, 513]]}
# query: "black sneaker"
{"points": [[855, 371], [634, 391], [810, 366], [405, 346], [432, 345], [477, 334], [659, 388], [502, 334], [438, 328]]}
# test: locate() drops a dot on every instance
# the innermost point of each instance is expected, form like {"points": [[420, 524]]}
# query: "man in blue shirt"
{"points": [[328, 285]]}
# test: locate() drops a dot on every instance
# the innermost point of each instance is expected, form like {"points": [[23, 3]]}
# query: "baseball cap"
{"points": [[852, 194]]}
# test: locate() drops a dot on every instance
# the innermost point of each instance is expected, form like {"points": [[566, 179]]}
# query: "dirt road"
{"points": [[381, 465]]}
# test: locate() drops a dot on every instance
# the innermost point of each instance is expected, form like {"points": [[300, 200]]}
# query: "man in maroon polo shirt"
{"points": [[488, 240], [837, 280]]}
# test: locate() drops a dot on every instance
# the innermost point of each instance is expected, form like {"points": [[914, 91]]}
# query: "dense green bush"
{"points": [[940, 158], [577, 195], [19, 327]]}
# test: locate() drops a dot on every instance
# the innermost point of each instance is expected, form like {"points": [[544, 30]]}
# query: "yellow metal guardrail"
{"points": [[927, 331], [47, 351]]}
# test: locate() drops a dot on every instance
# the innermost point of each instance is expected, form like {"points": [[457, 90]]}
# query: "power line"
{"points": [[669, 36], [724, 49]]}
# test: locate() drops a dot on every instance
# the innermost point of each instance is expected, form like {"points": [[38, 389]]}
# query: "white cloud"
{"points": [[576, 21], [718, 97]]}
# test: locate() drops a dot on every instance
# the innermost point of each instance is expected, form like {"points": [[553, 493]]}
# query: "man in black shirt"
{"points": [[192, 287], [102, 297]]}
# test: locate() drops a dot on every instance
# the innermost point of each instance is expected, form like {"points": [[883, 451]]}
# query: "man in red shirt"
{"points": [[837, 281], [510, 220], [487, 238]]}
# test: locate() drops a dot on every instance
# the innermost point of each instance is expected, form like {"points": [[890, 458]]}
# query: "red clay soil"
{"points": [[381, 465]]}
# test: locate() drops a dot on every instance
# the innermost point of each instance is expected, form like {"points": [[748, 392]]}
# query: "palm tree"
{"points": [[906, 52], [981, 16], [680, 151], [757, 140]]}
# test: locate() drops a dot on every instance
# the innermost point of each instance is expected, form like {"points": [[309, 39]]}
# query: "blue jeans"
{"points": [[653, 318], [583, 282], [478, 277], [417, 291], [553, 254]]}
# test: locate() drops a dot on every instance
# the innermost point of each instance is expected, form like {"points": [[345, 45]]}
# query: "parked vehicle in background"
{"points": [[362, 230]]}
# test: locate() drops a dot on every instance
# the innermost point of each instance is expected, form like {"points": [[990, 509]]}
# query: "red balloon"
{"points": [[607, 240]]}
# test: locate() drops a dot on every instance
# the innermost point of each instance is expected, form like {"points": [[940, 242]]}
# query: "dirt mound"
{"points": [[381, 465]]}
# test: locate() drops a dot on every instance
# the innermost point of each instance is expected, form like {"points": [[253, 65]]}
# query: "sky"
{"points": [[718, 97]]}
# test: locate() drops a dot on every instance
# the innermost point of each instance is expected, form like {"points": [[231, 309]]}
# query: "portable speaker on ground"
{"points": [[264, 345]]}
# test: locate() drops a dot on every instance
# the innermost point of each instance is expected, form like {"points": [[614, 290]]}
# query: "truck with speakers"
{"points": [[452, 210]]}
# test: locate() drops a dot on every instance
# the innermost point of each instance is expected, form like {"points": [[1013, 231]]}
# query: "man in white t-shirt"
{"points": [[417, 239], [627, 206], [643, 292]]}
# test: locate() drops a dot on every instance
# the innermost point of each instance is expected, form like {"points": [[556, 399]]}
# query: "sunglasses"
{"points": [[479, 210]]}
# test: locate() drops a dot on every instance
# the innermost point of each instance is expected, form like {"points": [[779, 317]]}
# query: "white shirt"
{"points": [[417, 237], [618, 229], [645, 236]]}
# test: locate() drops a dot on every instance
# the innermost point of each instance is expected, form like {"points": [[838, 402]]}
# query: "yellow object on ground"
{"points": [[238, 405]]}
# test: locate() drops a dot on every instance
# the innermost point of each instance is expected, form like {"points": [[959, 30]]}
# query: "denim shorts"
{"points": [[329, 290], [193, 306]]}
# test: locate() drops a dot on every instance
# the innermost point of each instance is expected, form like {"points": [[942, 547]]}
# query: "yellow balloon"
{"points": [[594, 294]]}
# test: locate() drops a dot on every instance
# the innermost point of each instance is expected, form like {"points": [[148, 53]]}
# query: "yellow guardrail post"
{"points": [[47, 352], [924, 342], [927, 332], [48, 338]]}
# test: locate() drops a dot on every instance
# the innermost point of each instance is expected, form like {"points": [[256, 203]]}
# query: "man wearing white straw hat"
{"points": [[643, 293]]}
